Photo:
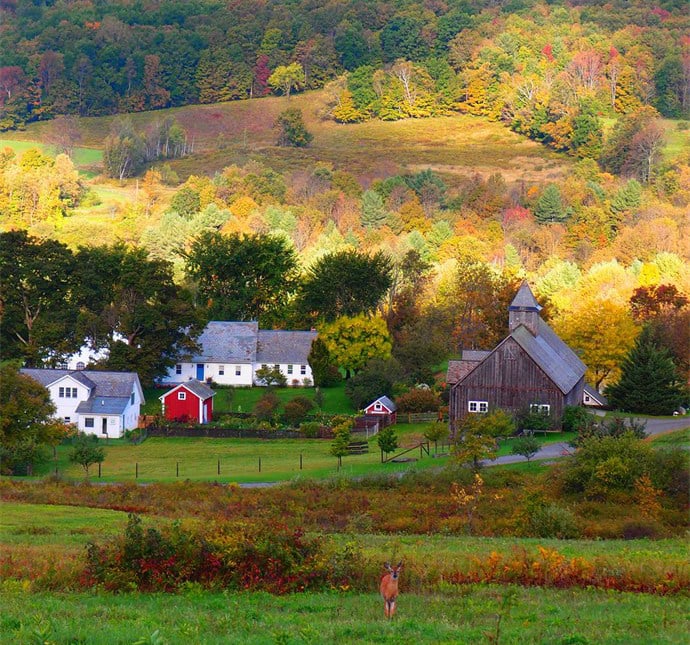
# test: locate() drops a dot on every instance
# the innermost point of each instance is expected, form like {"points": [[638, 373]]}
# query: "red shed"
{"points": [[191, 401], [382, 406]]}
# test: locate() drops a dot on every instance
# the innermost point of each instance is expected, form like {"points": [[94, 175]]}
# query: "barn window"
{"points": [[221, 370], [181, 396], [540, 408], [377, 406], [478, 406], [178, 369]]}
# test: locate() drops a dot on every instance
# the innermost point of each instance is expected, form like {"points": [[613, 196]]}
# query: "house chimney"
{"points": [[524, 310]]}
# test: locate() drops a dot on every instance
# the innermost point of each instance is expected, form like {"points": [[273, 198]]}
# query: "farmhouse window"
{"points": [[221, 370], [80, 365], [88, 422], [61, 392], [68, 419], [540, 408], [181, 396], [63, 366], [289, 369], [131, 399], [238, 370], [276, 367], [178, 369], [302, 369], [478, 406]]}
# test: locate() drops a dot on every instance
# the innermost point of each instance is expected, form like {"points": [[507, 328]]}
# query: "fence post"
{"points": [[219, 466], [259, 464], [99, 470], [136, 470], [177, 469], [300, 461]]}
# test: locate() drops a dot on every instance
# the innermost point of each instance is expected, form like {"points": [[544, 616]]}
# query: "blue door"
{"points": [[200, 371]]}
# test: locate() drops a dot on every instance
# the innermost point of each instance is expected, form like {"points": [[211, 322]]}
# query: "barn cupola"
{"points": [[524, 310]]}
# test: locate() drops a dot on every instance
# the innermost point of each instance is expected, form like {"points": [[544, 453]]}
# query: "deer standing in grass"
{"points": [[389, 588]]}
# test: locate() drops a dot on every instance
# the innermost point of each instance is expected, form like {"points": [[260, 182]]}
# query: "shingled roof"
{"points": [[228, 342], [110, 392], [196, 387], [284, 347]]}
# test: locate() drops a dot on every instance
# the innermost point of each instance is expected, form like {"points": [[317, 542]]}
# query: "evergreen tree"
{"points": [[649, 382], [549, 207], [374, 213]]}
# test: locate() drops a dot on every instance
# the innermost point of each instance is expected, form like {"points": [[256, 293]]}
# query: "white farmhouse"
{"points": [[99, 403], [231, 353]]}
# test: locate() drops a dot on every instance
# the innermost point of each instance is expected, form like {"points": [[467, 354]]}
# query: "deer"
{"points": [[389, 588]]}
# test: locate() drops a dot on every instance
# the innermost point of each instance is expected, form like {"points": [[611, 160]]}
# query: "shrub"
{"points": [[297, 409], [269, 557], [551, 520], [310, 430], [418, 400], [267, 406], [574, 418]]}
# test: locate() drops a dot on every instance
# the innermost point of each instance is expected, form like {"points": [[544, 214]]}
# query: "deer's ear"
{"points": [[387, 566], [400, 564]]}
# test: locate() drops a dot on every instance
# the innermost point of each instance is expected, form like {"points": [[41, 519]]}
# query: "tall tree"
{"points": [[354, 341], [286, 78], [344, 283], [649, 382], [132, 307], [37, 312], [243, 277]]}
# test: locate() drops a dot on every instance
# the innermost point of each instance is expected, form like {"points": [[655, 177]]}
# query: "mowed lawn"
{"points": [[232, 460]]}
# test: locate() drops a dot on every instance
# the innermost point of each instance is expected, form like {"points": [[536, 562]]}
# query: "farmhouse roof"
{"points": [[284, 347], [103, 405], [228, 342], [196, 387], [100, 383]]}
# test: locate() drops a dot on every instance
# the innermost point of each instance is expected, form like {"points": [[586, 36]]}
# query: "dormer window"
{"points": [[80, 365]]}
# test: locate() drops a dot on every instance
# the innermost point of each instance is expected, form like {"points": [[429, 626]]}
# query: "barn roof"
{"points": [[227, 342], [552, 355], [524, 300], [470, 359], [277, 346], [384, 401]]}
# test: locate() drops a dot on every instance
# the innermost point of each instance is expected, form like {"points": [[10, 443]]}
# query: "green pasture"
{"points": [[83, 157], [66, 526], [243, 399], [253, 460], [458, 615]]}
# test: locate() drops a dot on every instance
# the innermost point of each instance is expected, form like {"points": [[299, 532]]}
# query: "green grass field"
{"points": [[449, 614], [464, 615], [198, 459]]}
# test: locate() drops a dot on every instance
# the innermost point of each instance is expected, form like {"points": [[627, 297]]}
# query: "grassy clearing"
{"points": [[83, 157], [197, 459], [679, 438], [479, 614]]}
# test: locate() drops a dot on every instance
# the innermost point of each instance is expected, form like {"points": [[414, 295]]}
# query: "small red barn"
{"points": [[190, 401], [383, 406]]}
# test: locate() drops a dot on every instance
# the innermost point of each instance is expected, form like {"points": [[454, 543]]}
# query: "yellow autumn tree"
{"points": [[602, 332]]}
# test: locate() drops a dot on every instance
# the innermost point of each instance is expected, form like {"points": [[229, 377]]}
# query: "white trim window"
{"points": [[178, 369], [89, 422], [181, 396], [221, 370], [238, 370], [477, 406], [290, 369], [302, 369], [540, 408]]}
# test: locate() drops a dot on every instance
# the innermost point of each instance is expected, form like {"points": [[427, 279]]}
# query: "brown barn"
{"points": [[532, 368]]}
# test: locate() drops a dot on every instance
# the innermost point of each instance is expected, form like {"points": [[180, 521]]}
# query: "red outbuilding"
{"points": [[191, 401], [383, 406]]}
